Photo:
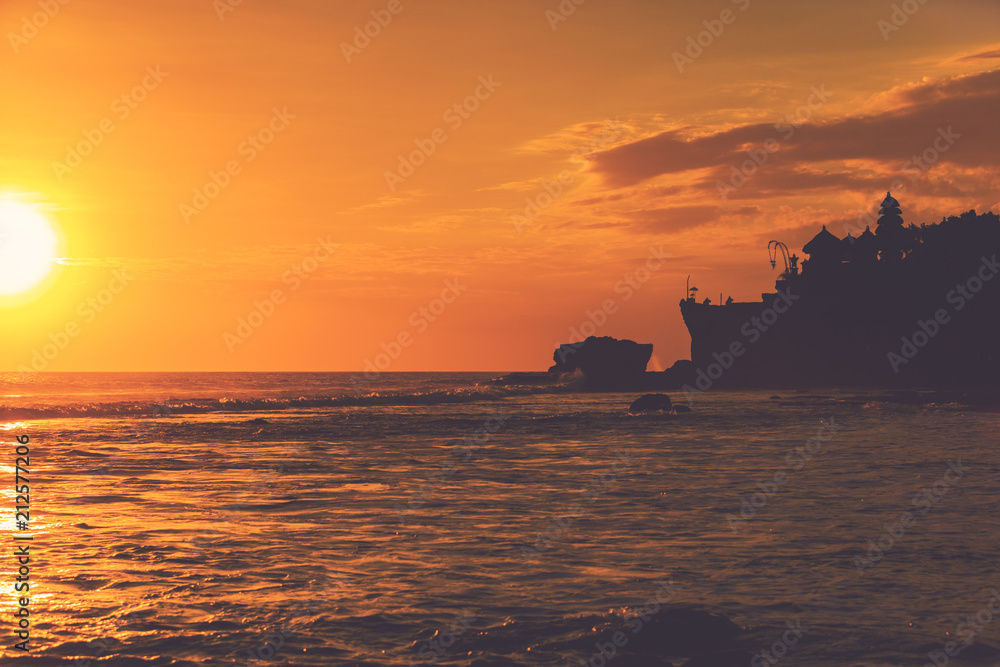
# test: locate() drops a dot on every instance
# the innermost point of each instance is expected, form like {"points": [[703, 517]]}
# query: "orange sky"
{"points": [[309, 217]]}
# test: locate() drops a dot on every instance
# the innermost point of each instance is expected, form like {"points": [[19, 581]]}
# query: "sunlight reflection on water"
{"points": [[341, 534]]}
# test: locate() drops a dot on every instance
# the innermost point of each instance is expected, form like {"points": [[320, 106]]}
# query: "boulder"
{"points": [[703, 638], [688, 632], [606, 363], [650, 403]]}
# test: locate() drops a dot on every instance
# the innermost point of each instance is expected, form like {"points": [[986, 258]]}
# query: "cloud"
{"points": [[982, 55], [578, 226], [387, 200], [962, 109], [673, 218], [603, 199], [581, 138]]}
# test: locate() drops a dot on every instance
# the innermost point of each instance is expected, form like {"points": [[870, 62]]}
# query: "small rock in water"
{"points": [[731, 658], [650, 403], [681, 408], [687, 632], [980, 651]]}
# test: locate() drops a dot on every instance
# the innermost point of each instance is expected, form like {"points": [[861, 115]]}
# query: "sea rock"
{"points": [[659, 637], [678, 409], [606, 363], [730, 658], [980, 651], [684, 631], [672, 379], [682, 372], [522, 378], [650, 403]]}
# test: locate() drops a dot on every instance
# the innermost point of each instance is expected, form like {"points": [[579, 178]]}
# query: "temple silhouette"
{"points": [[901, 306]]}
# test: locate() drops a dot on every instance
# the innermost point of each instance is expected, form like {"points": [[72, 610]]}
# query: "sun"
{"points": [[28, 247]]}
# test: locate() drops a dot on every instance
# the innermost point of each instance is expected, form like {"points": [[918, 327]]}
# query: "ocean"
{"points": [[440, 518]]}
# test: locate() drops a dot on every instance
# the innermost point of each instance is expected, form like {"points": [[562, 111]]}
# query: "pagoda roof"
{"points": [[865, 246], [823, 243], [888, 203]]}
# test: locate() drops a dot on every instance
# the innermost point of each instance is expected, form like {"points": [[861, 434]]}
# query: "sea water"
{"points": [[331, 519]]}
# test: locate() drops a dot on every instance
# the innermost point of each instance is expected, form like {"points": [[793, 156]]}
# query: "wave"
{"points": [[172, 407]]}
